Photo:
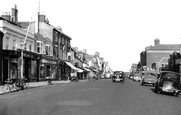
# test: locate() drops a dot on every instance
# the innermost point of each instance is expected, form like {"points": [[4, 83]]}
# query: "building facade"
{"points": [[13, 40], [154, 53]]}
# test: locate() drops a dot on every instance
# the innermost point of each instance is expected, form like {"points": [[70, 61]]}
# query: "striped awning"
{"points": [[86, 69], [73, 67]]}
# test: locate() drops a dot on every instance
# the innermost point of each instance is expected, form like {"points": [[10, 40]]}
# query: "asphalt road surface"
{"points": [[101, 97]]}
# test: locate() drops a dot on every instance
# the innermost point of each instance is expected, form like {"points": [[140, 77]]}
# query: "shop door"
{"points": [[5, 70], [27, 69]]}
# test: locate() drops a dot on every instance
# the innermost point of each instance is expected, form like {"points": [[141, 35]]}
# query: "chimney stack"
{"points": [[157, 41], [14, 14], [42, 18]]}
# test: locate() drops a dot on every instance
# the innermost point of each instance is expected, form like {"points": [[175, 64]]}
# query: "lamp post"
{"points": [[23, 46]]}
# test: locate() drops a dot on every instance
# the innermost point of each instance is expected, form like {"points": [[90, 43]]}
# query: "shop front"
{"points": [[72, 69], [9, 65], [31, 65], [62, 70], [48, 68], [12, 65]]}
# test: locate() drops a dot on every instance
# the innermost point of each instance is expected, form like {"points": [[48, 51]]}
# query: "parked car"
{"points": [[108, 75], [118, 76], [131, 75], [137, 77], [168, 82], [149, 77]]}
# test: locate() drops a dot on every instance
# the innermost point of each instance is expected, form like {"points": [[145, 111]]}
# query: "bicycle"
{"points": [[9, 86], [22, 83]]}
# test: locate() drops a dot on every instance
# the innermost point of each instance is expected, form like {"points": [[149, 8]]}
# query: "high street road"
{"points": [[101, 97]]}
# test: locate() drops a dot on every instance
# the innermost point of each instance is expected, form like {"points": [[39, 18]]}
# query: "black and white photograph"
{"points": [[90, 57]]}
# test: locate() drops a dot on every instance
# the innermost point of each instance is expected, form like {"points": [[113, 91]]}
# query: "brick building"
{"points": [[154, 53]]}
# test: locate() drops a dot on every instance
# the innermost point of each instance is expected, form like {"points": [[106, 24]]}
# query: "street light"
{"points": [[23, 46]]}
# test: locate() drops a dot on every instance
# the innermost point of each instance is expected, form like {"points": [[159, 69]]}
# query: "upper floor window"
{"points": [[63, 40], [25, 47], [68, 43], [7, 42], [39, 47], [30, 47], [48, 49], [14, 44], [60, 40], [56, 36]]}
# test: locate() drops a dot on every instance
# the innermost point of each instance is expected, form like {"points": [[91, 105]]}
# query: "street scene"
{"points": [[91, 57], [101, 97]]}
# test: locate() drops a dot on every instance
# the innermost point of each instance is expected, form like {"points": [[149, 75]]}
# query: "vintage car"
{"points": [[149, 77], [118, 76], [168, 82], [137, 77]]}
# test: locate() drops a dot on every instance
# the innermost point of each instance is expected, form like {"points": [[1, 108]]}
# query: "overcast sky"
{"points": [[118, 29]]}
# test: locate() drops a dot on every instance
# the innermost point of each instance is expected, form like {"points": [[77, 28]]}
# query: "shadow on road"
{"points": [[168, 94]]}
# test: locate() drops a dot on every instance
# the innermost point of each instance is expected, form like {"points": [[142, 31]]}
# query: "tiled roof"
{"points": [[48, 41], [170, 47], [24, 24], [39, 37], [89, 58]]}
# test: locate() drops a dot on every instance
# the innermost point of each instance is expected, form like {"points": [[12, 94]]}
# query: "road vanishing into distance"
{"points": [[100, 97]]}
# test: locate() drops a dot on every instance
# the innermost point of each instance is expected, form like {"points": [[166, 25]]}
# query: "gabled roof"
{"points": [[163, 59], [163, 47]]}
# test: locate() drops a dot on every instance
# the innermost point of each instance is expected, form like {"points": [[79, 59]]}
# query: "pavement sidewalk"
{"points": [[39, 84]]}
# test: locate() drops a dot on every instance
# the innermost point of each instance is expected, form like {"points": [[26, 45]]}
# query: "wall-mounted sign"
{"points": [[48, 61]]}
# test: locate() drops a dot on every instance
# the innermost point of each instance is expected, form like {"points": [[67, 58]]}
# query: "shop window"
{"points": [[33, 70], [42, 71], [48, 70], [13, 68]]}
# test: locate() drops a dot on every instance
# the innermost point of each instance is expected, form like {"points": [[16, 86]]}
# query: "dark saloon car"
{"points": [[118, 76], [149, 77], [168, 82]]}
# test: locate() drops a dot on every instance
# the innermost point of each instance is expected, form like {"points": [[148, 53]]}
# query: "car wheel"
{"points": [[156, 90], [142, 83], [177, 94]]}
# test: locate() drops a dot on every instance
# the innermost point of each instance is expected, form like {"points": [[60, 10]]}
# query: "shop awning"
{"points": [[95, 70], [73, 67], [86, 69]]}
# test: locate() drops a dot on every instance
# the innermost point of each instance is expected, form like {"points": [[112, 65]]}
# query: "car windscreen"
{"points": [[151, 74], [118, 72], [170, 75]]}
